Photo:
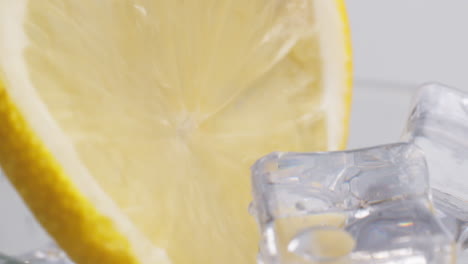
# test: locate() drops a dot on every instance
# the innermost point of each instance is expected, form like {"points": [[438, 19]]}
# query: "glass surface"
{"points": [[20, 234]]}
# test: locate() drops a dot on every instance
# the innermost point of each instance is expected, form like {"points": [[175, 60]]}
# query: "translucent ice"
{"points": [[51, 254], [360, 207], [438, 124], [47, 255]]}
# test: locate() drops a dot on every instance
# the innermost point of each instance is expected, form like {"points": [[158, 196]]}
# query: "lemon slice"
{"points": [[128, 127]]}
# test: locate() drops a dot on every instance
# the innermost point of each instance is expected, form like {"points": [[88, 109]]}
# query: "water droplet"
{"points": [[320, 244]]}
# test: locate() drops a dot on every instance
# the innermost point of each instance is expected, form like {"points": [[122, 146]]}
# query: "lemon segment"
{"points": [[129, 126]]}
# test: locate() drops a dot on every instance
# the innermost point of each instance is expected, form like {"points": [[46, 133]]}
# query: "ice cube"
{"points": [[438, 124], [50, 254], [360, 207]]}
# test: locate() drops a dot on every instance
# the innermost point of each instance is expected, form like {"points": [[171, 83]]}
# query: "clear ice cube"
{"points": [[51, 254], [438, 124], [358, 207]]}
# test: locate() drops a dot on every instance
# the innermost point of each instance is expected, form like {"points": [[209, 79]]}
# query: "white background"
{"points": [[398, 44], [410, 41]]}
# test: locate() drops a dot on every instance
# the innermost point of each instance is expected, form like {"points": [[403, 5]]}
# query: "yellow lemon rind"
{"points": [[348, 80], [39, 179]]}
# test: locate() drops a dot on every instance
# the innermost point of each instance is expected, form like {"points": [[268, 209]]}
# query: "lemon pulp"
{"points": [[165, 104]]}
